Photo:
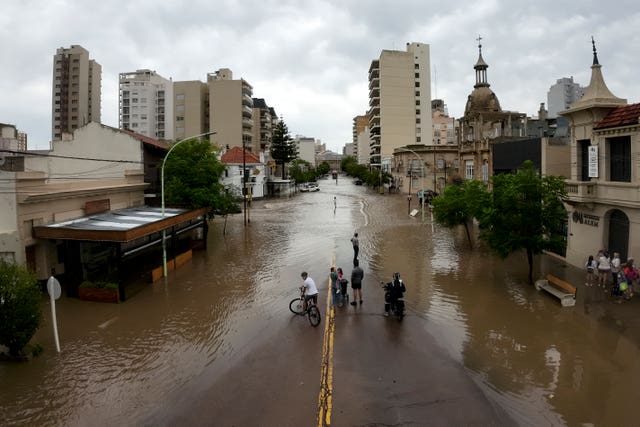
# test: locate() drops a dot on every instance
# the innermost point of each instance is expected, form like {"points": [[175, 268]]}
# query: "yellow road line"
{"points": [[326, 371]]}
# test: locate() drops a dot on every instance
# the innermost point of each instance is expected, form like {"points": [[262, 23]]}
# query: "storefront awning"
{"points": [[117, 226]]}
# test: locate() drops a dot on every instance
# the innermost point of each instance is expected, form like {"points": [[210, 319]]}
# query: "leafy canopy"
{"points": [[20, 313], [525, 212], [192, 177]]}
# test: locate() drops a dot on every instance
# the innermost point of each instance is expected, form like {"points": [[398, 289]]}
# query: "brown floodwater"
{"points": [[545, 364]]}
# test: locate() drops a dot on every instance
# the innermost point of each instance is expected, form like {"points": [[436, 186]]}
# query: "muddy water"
{"points": [[545, 364]]}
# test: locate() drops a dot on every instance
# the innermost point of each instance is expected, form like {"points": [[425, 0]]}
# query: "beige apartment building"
{"points": [[146, 104], [443, 125], [399, 101], [360, 125], [191, 107], [603, 201], [230, 109], [76, 90]]}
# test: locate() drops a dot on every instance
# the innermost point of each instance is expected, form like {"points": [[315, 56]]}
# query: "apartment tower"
{"points": [[76, 90], [191, 106], [399, 101], [562, 94], [230, 109], [146, 104], [264, 119]]}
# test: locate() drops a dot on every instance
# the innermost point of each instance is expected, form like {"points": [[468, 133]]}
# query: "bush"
{"points": [[20, 312], [99, 285]]}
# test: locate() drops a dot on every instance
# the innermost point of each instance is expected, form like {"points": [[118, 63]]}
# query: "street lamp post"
{"points": [[164, 232], [411, 179]]}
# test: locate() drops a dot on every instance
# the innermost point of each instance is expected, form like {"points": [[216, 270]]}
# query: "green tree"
{"points": [[323, 168], [460, 204], [20, 313], [283, 147], [227, 202], [525, 211], [192, 177], [301, 171]]}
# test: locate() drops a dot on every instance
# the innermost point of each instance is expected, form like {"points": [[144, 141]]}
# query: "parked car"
{"points": [[358, 182], [312, 186], [303, 188]]}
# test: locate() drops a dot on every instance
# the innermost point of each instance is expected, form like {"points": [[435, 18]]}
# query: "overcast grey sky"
{"points": [[309, 59]]}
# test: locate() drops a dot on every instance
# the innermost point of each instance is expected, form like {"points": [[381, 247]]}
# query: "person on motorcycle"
{"points": [[394, 290]]}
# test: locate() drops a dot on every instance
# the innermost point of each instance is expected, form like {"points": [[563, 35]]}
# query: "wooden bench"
{"points": [[558, 288]]}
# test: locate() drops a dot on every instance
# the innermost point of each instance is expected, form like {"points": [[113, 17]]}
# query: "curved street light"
{"points": [[164, 230]]}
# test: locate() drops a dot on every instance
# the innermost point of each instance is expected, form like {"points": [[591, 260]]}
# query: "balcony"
{"points": [[611, 192]]}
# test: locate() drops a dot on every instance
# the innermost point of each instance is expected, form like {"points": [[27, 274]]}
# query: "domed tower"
{"points": [[482, 99]]}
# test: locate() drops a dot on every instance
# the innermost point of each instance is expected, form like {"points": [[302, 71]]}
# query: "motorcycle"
{"points": [[393, 297]]}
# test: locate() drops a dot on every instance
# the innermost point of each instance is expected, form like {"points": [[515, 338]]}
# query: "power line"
{"points": [[31, 153]]}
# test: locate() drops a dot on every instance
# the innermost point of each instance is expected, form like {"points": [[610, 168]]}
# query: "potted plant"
{"points": [[99, 291]]}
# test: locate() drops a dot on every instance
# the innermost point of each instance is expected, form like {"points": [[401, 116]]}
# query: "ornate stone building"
{"points": [[483, 124]]}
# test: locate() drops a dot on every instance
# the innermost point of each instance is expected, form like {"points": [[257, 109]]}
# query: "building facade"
{"points": [[399, 101], [76, 90], [306, 149], [603, 201], [562, 94], [444, 127], [483, 124], [360, 123], [146, 104], [230, 109], [191, 107], [264, 120]]}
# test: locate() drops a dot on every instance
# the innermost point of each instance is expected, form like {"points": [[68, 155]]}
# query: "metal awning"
{"points": [[118, 226]]}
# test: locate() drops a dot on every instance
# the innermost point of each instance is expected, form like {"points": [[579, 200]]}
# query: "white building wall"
{"points": [[306, 149], [149, 99], [363, 147]]}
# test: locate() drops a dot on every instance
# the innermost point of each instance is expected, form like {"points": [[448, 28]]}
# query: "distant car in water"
{"points": [[358, 182], [308, 186]]}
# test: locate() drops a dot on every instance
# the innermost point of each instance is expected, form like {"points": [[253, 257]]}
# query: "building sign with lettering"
{"points": [[586, 219], [593, 161]]}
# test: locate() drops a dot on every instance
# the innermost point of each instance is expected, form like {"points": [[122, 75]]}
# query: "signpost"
{"points": [[54, 289]]}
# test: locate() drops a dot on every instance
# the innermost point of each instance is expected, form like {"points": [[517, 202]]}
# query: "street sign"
{"points": [[53, 287]]}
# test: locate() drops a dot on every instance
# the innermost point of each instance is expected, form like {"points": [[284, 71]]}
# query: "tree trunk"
{"points": [[466, 228], [224, 227], [530, 259]]}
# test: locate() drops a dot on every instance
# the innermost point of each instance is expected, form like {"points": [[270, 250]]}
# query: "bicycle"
{"points": [[313, 312]]}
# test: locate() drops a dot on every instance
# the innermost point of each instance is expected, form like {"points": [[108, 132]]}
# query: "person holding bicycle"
{"points": [[310, 289]]}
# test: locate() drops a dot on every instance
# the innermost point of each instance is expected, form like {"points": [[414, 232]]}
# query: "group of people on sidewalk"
{"points": [[612, 275]]}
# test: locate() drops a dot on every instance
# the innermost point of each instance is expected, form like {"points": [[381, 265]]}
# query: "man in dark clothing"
{"points": [[394, 290], [357, 274]]}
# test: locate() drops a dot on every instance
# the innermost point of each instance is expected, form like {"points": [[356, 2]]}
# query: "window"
{"points": [[143, 100], [179, 118], [417, 84], [180, 97], [179, 107], [417, 93], [468, 167], [417, 111], [620, 159], [143, 117], [417, 102], [417, 75], [417, 120], [134, 99], [583, 147], [416, 66], [485, 171], [179, 130]]}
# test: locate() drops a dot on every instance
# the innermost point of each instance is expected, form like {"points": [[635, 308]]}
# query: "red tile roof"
{"points": [[234, 156], [147, 140], [621, 116]]}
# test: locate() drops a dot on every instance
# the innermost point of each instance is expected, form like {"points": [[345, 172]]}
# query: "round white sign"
{"points": [[53, 287]]}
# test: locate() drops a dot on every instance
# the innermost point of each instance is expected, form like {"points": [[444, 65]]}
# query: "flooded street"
{"points": [[544, 364]]}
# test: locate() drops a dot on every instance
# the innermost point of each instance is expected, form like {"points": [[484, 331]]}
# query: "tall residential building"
{"points": [[306, 149], [399, 101], [146, 104], [562, 94], [230, 109], [76, 90], [359, 125], [264, 119], [191, 107]]}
